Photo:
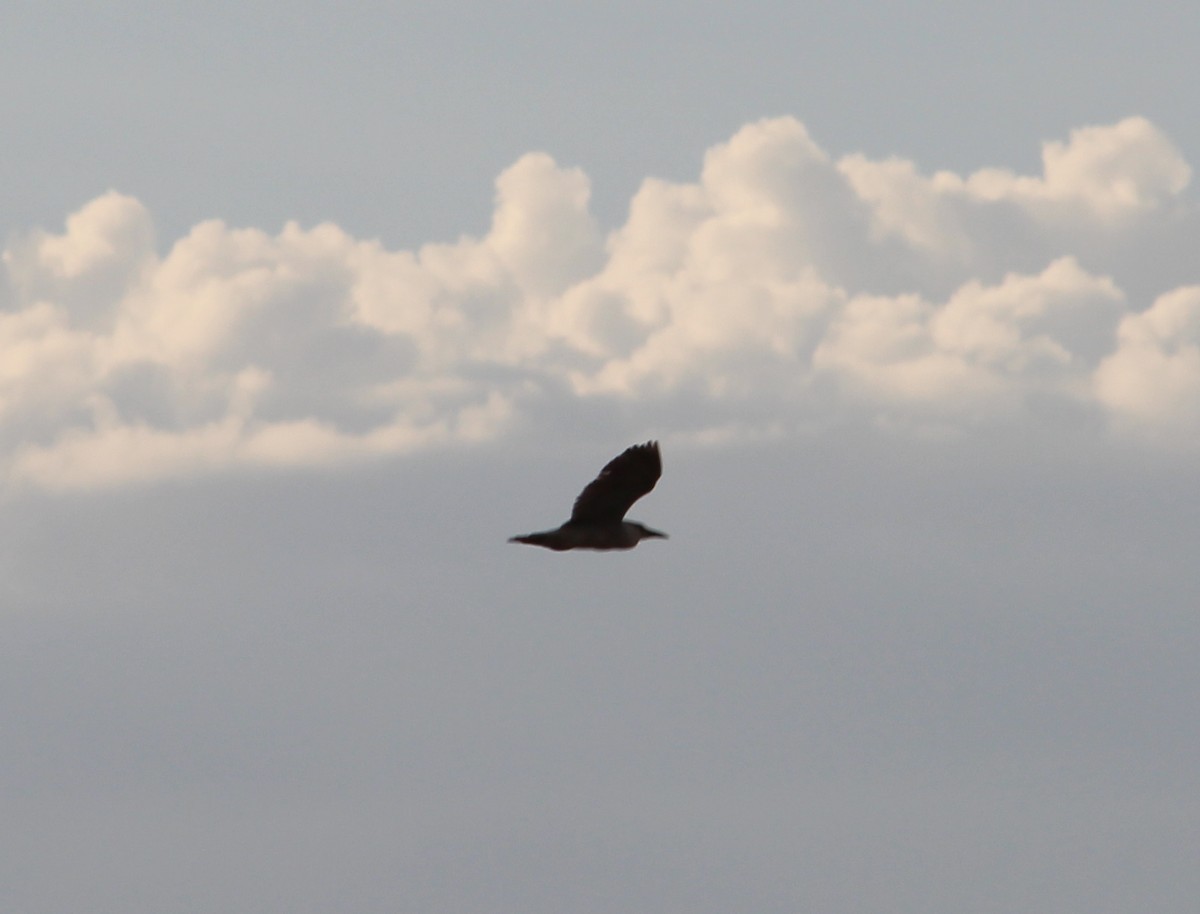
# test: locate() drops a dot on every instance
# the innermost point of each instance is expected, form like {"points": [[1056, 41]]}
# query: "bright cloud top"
{"points": [[783, 288]]}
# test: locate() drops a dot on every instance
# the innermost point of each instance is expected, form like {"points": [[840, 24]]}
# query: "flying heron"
{"points": [[598, 518]]}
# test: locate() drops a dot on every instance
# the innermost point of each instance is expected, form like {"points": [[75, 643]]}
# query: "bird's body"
{"points": [[621, 535], [598, 518]]}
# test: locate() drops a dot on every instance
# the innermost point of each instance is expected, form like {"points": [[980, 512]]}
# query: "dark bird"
{"points": [[598, 518]]}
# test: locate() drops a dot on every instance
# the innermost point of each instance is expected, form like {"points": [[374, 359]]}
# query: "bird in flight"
{"points": [[598, 518]]}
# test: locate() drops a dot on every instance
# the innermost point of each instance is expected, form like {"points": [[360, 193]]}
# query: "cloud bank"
{"points": [[782, 290]]}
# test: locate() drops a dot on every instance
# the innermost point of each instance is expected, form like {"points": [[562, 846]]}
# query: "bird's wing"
{"points": [[622, 482]]}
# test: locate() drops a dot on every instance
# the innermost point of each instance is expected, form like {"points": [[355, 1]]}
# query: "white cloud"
{"points": [[783, 287], [1152, 380], [985, 349], [1111, 172], [1105, 184]]}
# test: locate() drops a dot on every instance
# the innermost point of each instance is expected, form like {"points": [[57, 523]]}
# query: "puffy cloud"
{"points": [[1152, 380], [1113, 172], [542, 231], [784, 287], [1105, 187], [986, 348], [111, 232], [105, 250]]}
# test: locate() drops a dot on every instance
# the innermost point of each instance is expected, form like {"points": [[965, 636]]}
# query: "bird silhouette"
{"points": [[598, 517]]}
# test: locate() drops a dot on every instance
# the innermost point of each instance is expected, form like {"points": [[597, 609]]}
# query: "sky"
{"points": [[305, 309]]}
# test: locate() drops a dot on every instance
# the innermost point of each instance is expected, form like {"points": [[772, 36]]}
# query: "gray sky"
{"points": [[306, 309]]}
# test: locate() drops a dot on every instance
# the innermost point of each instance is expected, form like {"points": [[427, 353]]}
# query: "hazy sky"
{"points": [[306, 308]]}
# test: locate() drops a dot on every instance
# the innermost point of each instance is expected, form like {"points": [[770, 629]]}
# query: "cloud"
{"points": [[783, 288], [1152, 379], [1104, 185], [986, 349], [1111, 172]]}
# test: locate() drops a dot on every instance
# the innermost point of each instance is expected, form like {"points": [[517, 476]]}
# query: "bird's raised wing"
{"points": [[622, 482]]}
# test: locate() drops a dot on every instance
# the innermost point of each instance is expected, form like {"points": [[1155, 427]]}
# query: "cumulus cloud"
{"points": [[782, 288], [1152, 379], [986, 349]]}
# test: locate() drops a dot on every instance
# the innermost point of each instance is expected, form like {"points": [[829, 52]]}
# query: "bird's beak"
{"points": [[650, 532]]}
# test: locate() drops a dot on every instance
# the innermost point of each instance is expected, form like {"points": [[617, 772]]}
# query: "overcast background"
{"points": [[306, 308]]}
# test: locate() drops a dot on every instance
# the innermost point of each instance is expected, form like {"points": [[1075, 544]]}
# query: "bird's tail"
{"points": [[535, 539]]}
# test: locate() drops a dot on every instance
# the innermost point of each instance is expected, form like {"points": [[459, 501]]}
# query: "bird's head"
{"points": [[645, 532]]}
